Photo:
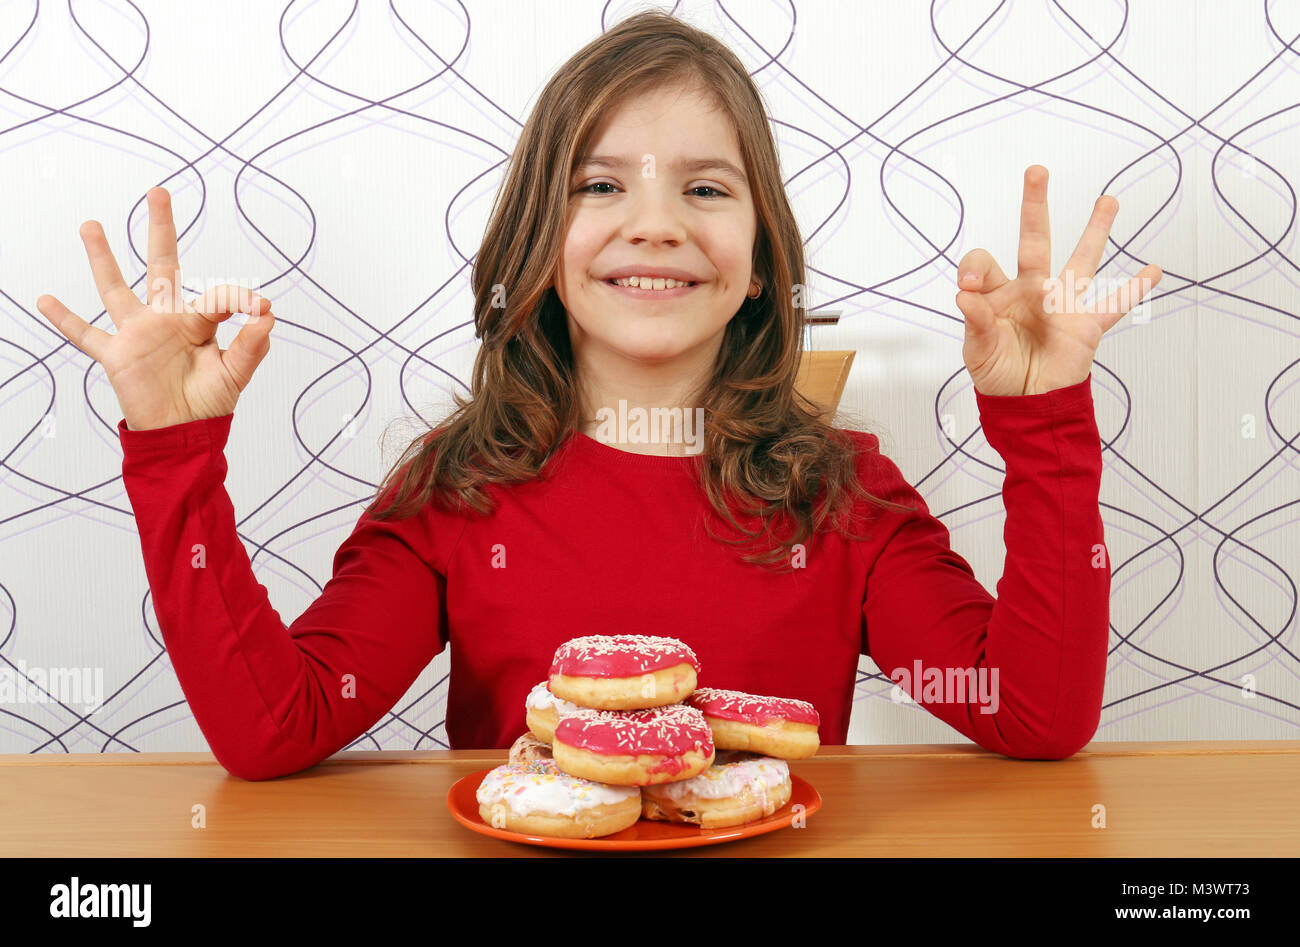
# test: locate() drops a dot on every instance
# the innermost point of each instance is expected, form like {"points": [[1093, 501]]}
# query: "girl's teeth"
{"points": [[646, 282]]}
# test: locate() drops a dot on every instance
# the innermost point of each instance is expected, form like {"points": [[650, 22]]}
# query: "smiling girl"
{"points": [[641, 256]]}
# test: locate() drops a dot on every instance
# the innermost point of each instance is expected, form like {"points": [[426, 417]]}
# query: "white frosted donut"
{"points": [[542, 711], [736, 789], [634, 747], [623, 672], [537, 798]]}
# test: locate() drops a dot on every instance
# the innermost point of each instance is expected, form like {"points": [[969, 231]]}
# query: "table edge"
{"points": [[494, 756]]}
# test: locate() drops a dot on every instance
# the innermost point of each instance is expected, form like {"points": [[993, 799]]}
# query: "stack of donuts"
{"points": [[620, 731]]}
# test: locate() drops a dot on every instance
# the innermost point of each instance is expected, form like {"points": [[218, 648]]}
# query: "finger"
{"points": [[119, 299], [249, 347], [163, 269], [76, 330], [981, 319], [1083, 261], [227, 299], [1034, 258], [978, 272], [1119, 303]]}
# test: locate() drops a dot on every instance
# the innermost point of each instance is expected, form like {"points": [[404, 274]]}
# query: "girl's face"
{"points": [[661, 194]]}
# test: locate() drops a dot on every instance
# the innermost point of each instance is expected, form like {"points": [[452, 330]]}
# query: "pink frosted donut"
{"points": [[623, 672], [772, 726], [633, 747]]}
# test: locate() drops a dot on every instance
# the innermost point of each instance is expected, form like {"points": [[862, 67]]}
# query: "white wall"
{"points": [[364, 225]]}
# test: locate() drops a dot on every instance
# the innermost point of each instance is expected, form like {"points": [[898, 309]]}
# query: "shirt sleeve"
{"points": [[1041, 645], [273, 700]]}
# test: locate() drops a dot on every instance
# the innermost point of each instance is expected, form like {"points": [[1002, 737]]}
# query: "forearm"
{"points": [[236, 662], [1049, 628]]}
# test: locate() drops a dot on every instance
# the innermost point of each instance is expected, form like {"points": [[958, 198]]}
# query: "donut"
{"points": [[633, 747], [623, 672], [537, 798], [771, 726], [736, 789], [542, 711], [528, 748]]}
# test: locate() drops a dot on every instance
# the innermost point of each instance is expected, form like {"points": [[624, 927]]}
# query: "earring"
{"points": [[758, 291]]}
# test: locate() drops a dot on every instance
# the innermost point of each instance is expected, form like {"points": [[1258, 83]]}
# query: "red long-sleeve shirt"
{"points": [[608, 541]]}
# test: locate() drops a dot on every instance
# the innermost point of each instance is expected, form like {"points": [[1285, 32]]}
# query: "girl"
{"points": [[641, 255]]}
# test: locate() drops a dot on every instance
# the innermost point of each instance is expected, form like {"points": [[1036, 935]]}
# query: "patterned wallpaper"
{"points": [[342, 157]]}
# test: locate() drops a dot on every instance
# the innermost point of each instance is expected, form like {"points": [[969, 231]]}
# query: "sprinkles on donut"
{"points": [[537, 798], [772, 726], [631, 735], [634, 747], [623, 672], [736, 789]]}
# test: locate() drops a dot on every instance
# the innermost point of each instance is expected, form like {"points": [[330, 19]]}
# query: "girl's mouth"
{"points": [[645, 288]]}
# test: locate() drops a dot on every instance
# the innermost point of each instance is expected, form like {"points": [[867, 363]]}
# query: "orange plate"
{"points": [[644, 835]]}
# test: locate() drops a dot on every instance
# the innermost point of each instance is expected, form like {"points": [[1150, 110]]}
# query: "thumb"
{"points": [[248, 348], [980, 317]]}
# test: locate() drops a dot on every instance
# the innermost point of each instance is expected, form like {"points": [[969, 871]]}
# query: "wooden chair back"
{"points": [[822, 376]]}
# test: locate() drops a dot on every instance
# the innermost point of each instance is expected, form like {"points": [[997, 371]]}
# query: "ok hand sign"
{"points": [[163, 362], [1030, 335]]}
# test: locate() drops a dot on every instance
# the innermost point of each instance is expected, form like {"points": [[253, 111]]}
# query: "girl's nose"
{"points": [[653, 214]]}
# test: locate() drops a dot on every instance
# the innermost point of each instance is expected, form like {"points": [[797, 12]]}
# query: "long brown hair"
{"points": [[766, 450]]}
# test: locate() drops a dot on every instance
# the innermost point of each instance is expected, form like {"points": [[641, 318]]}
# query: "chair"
{"points": [[821, 378]]}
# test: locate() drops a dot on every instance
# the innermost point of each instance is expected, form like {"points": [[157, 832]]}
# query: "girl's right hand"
{"points": [[163, 362]]}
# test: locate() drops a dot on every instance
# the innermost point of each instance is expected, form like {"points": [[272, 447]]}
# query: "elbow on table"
{"points": [[259, 774], [1056, 747], [255, 769]]}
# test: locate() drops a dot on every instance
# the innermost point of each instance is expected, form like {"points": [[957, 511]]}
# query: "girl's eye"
{"points": [[713, 191]]}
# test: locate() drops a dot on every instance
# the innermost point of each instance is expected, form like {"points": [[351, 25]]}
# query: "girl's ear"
{"points": [[755, 290]]}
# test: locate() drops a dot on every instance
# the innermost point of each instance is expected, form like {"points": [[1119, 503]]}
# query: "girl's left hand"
{"points": [[1030, 335]]}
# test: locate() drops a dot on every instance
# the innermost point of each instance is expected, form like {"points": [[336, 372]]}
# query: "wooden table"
{"points": [[1161, 799]]}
